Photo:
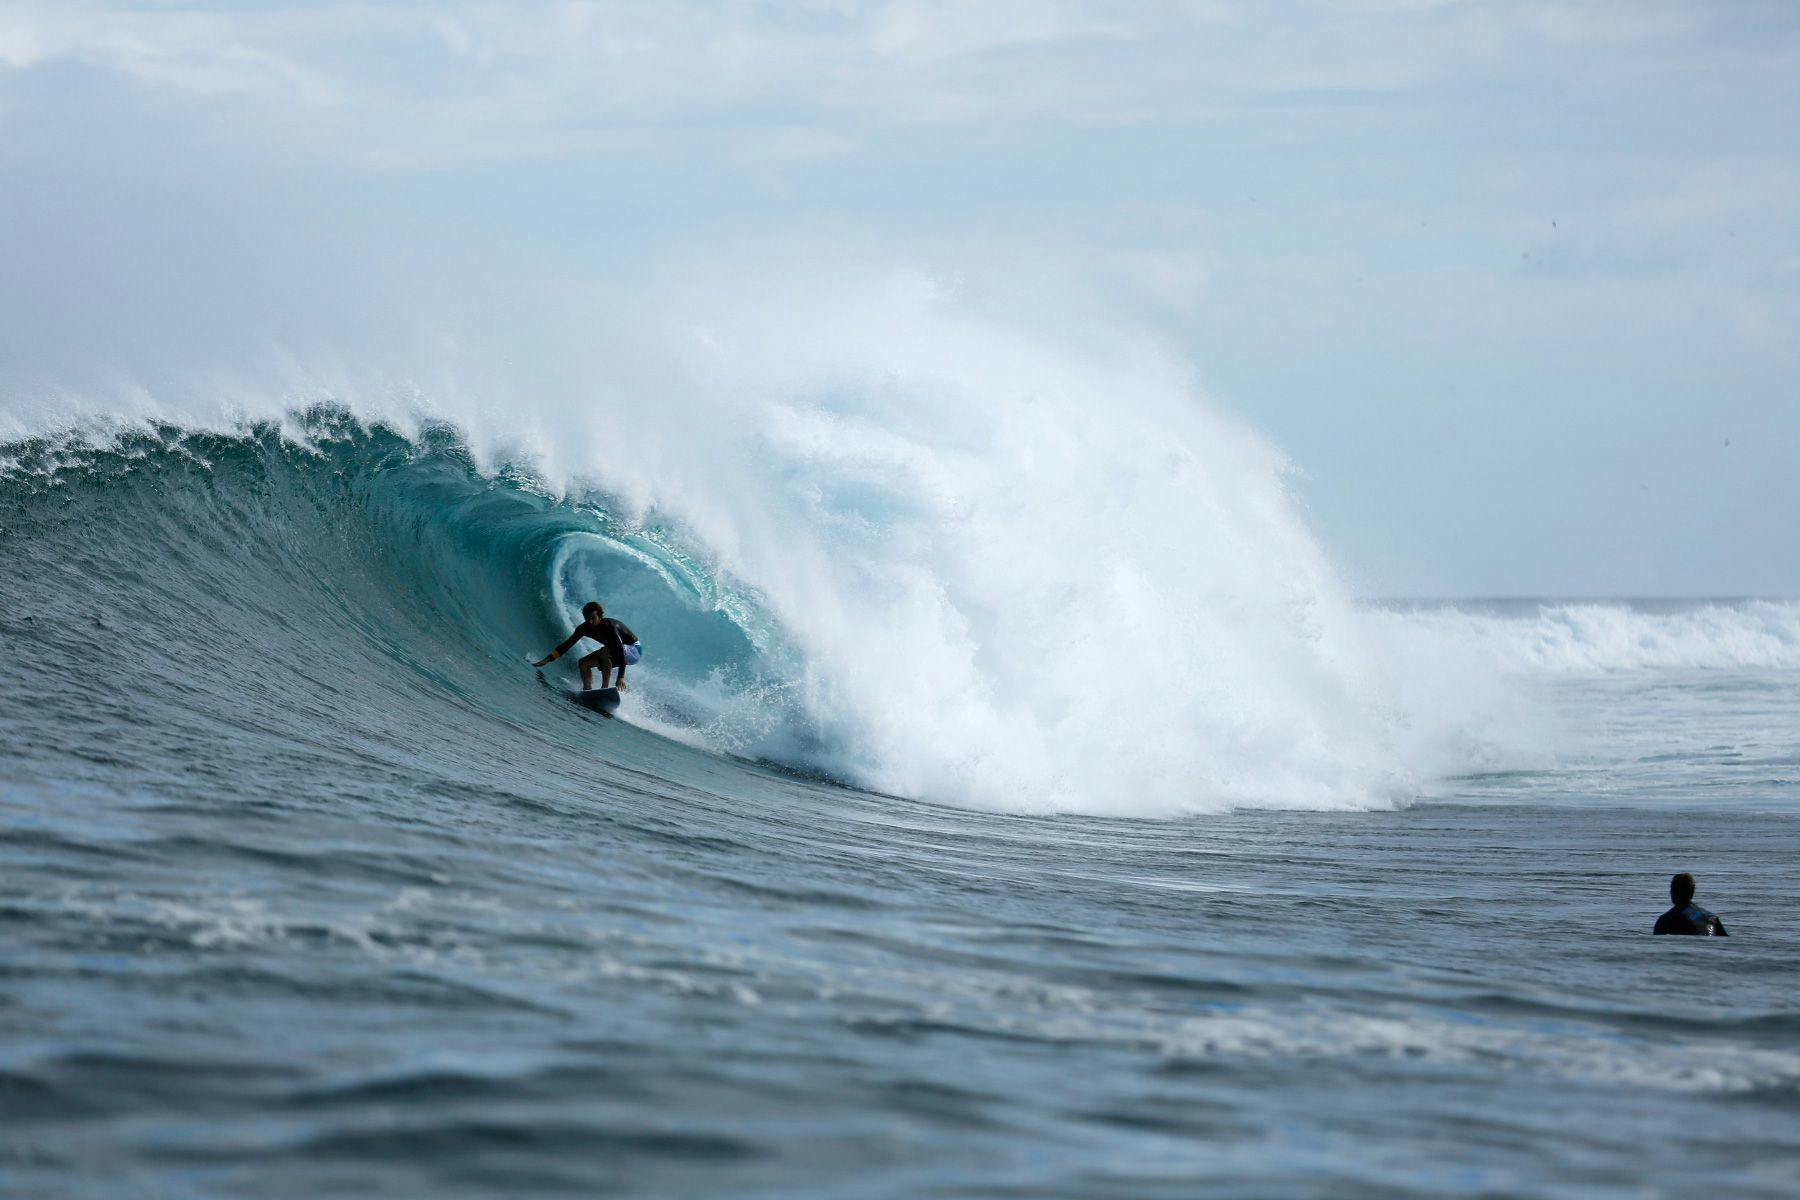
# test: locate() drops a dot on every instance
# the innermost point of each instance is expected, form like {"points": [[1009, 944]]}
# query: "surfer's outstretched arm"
{"points": [[560, 650]]}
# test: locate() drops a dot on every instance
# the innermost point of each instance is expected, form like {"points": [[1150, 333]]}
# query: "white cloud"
{"points": [[415, 84]]}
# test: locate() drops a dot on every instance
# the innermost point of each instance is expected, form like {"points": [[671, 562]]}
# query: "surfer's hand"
{"points": [[623, 686]]}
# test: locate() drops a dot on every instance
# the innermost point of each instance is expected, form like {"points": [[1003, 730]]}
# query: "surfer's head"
{"points": [[1681, 888], [592, 610]]}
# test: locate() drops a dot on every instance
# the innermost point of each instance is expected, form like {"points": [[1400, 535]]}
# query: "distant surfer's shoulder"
{"points": [[1676, 920], [1687, 918], [1705, 921]]}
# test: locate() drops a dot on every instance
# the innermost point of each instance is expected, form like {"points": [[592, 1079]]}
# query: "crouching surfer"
{"points": [[618, 647]]}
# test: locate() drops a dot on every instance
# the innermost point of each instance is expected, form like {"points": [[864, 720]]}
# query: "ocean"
{"points": [[962, 834]]}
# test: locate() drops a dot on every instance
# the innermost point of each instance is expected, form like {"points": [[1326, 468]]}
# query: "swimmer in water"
{"points": [[1686, 916]]}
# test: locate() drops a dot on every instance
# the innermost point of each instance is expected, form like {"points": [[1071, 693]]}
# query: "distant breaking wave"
{"points": [[1569, 637]]}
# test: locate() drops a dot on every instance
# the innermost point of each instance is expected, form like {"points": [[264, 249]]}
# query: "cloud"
{"points": [[936, 29], [433, 84]]}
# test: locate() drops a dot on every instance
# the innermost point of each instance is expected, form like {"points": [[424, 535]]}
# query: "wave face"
{"points": [[302, 555]]}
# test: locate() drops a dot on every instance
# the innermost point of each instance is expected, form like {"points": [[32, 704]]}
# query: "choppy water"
{"points": [[309, 886]]}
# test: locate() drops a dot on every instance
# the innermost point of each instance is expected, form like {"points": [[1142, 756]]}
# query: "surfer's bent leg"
{"points": [[600, 659]]}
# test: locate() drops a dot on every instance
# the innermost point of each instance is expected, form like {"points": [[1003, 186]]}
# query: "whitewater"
{"points": [[1014, 799]]}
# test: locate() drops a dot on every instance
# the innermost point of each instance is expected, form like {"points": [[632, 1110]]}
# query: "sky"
{"points": [[1516, 286]]}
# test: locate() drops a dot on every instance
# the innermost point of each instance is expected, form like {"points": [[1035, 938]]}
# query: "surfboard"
{"points": [[601, 700]]}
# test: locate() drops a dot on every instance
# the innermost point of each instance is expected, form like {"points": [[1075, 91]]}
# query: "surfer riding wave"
{"points": [[619, 647]]}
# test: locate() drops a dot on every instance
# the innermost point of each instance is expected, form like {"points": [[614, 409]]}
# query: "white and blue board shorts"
{"points": [[633, 652]]}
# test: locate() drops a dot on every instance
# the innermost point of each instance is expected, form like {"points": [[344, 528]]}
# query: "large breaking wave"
{"points": [[910, 549], [321, 540]]}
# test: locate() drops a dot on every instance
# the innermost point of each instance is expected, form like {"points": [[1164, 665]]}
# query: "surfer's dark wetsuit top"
{"points": [[1690, 918], [610, 633]]}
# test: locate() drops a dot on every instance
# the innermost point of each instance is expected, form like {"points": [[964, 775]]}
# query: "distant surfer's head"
{"points": [[1681, 888], [592, 610]]}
